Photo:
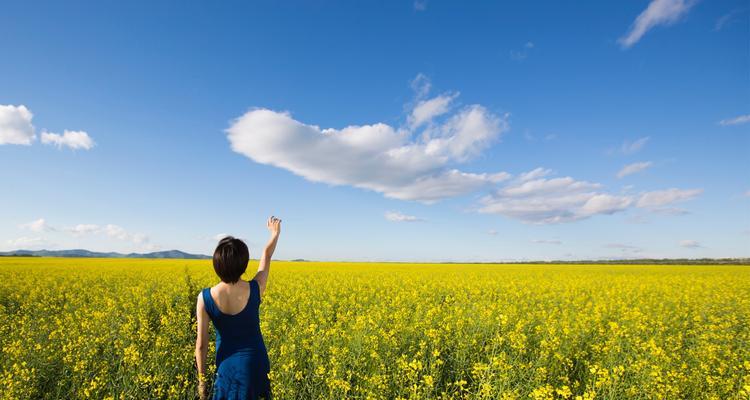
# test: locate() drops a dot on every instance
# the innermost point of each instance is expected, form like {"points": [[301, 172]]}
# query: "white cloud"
{"points": [[534, 174], [112, 231], [633, 147], [546, 241], [400, 163], [214, 238], [426, 110], [116, 231], [492, 232], [742, 119], [395, 216], [465, 134], [407, 163], [16, 128], [83, 229], [625, 248], [538, 200], [602, 203], [27, 243], [420, 5], [634, 168], [675, 211], [15, 125], [620, 246], [658, 12], [72, 139], [535, 199], [691, 244], [39, 225], [421, 85], [140, 238], [727, 19], [660, 198]]}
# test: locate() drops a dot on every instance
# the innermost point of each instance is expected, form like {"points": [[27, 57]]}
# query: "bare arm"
{"points": [[201, 347], [264, 266]]}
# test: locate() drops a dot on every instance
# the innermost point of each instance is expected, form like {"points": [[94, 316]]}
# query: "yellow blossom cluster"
{"points": [[125, 329]]}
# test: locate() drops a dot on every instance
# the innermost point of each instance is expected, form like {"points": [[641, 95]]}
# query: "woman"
{"points": [[232, 305]]}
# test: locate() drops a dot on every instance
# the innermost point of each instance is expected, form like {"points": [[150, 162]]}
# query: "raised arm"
{"points": [[201, 347], [264, 266]]}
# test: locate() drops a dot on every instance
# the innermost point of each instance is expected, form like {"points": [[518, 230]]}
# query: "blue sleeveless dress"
{"points": [[242, 364]]}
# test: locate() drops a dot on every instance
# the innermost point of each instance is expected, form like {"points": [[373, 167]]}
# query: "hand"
{"points": [[274, 226], [202, 390]]}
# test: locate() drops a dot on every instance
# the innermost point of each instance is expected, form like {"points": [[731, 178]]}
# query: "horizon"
{"points": [[627, 260], [415, 131]]}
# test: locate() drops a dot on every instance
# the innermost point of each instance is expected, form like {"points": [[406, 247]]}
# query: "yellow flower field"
{"points": [[125, 329]]}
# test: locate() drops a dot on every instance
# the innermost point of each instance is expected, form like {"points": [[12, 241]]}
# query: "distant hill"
{"points": [[177, 254], [87, 253]]}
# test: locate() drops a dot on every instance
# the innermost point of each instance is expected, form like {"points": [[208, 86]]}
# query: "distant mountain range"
{"points": [[177, 254], [87, 253]]}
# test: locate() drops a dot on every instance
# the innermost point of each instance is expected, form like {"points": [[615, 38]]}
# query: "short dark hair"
{"points": [[230, 259]]}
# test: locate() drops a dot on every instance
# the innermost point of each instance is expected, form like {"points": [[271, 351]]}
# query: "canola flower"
{"points": [[125, 329]]}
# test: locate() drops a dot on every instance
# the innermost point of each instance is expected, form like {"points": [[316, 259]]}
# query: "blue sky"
{"points": [[429, 130]]}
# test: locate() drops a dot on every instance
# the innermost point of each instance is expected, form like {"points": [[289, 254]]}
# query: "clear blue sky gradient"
{"points": [[157, 85]]}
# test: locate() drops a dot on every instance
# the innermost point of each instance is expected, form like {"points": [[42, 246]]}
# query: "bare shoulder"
{"points": [[199, 302]]}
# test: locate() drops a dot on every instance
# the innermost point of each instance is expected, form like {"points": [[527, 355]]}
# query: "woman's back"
{"points": [[241, 356], [231, 299], [242, 365]]}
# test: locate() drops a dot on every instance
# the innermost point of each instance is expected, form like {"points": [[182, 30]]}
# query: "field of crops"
{"points": [[125, 329]]}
